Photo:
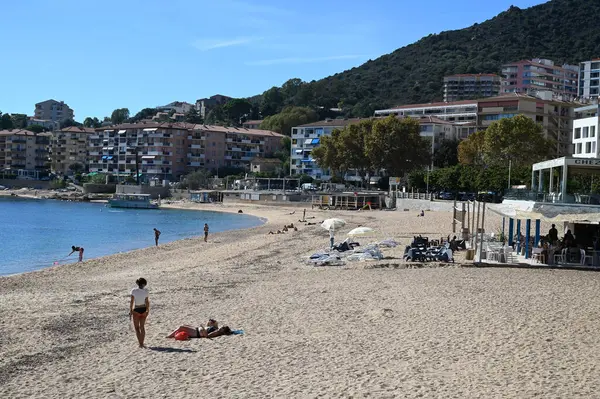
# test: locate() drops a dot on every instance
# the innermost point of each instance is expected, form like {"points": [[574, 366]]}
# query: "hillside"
{"points": [[565, 31]]}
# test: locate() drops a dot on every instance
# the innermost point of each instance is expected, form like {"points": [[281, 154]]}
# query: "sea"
{"points": [[35, 234]]}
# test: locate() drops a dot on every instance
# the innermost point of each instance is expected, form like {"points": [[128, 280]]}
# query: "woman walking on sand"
{"points": [[205, 231], [139, 306]]}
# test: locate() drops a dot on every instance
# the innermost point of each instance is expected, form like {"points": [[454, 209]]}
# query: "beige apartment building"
{"points": [[69, 146], [166, 151], [52, 110], [24, 150]]}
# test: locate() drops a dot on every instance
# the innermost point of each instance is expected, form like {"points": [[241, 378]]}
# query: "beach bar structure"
{"points": [[557, 172], [348, 200]]}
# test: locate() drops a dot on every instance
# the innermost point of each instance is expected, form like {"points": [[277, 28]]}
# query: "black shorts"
{"points": [[140, 310], [206, 234]]}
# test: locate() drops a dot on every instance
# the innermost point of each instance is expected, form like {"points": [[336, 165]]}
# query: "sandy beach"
{"points": [[439, 331]]}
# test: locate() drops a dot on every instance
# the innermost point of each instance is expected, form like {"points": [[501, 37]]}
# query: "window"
{"points": [[578, 149], [578, 133], [585, 132], [594, 147], [592, 131], [588, 147]]}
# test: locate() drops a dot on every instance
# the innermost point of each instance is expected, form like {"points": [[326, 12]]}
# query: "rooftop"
{"points": [[233, 129], [473, 75], [266, 160], [77, 129], [22, 132], [333, 122], [191, 126]]}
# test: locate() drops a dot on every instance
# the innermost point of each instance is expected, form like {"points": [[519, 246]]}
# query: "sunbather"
{"points": [[212, 330]]}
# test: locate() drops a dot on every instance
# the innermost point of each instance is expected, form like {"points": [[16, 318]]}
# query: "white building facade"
{"points": [[585, 132], [589, 79]]}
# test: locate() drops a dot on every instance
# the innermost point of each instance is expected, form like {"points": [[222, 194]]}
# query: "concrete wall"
{"points": [[154, 192], [15, 183], [426, 205], [91, 188]]}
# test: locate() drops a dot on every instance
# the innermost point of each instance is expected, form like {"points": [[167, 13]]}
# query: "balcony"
{"points": [[156, 171], [197, 146], [195, 164]]}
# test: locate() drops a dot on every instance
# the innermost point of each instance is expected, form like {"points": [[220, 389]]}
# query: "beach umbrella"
{"points": [[333, 224], [361, 231]]}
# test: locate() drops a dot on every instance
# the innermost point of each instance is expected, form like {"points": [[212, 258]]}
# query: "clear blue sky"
{"points": [[101, 55]]}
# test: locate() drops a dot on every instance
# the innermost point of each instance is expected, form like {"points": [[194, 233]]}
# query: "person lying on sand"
{"points": [[212, 330]]}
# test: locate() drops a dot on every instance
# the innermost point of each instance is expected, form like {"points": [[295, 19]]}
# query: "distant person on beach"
{"points": [[139, 306], [156, 236], [331, 237], [205, 232], [77, 249], [212, 330]]}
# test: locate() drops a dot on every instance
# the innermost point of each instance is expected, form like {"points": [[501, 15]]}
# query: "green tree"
{"points": [[216, 116], [288, 118], [146, 113], [35, 128], [237, 108], [328, 154], [6, 122], [284, 154], [197, 180], [446, 154], [471, 150], [19, 121], [396, 145], [352, 149], [68, 123], [192, 116], [92, 122], [76, 168], [272, 102], [518, 139], [119, 116]]}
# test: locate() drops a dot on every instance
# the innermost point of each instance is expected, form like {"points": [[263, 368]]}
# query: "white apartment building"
{"points": [[307, 137], [589, 79], [585, 132], [459, 112]]}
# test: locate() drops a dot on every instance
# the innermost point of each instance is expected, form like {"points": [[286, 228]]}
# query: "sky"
{"points": [[98, 55]]}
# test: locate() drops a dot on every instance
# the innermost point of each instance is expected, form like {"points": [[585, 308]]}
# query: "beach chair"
{"points": [[538, 255], [561, 258], [585, 258]]}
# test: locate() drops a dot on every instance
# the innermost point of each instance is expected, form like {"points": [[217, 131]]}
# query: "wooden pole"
{"points": [[482, 231], [477, 224]]}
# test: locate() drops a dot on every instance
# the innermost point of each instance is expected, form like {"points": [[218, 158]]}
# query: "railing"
{"points": [[411, 195]]}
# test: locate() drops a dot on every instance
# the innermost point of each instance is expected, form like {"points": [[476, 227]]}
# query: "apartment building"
{"points": [[458, 112], [252, 124], [589, 79], [538, 74], [69, 146], [158, 148], [24, 150], [204, 105], [585, 132], [213, 147], [555, 116], [307, 137], [166, 151], [179, 107], [56, 111], [470, 86]]}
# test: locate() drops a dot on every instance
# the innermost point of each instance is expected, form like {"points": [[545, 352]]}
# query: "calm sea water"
{"points": [[36, 233]]}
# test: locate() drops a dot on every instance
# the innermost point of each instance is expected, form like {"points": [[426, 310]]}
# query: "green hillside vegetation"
{"points": [[565, 31]]}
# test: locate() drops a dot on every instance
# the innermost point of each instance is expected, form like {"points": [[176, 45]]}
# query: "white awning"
{"points": [[307, 141], [298, 151], [122, 131], [148, 157], [111, 148], [154, 129], [104, 148]]}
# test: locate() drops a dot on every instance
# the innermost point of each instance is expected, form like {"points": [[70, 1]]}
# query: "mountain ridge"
{"points": [[561, 30]]}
